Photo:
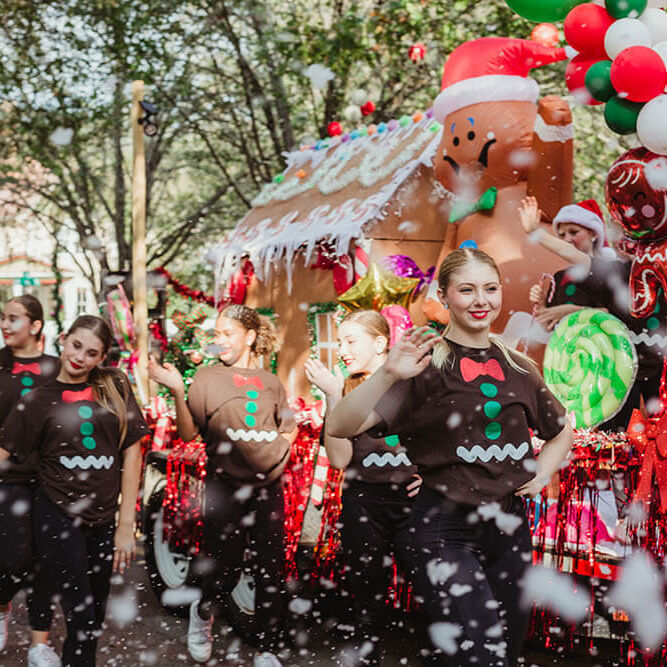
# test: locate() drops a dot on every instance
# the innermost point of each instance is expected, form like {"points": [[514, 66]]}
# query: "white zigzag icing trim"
{"points": [[388, 458], [97, 462], [648, 339], [493, 452], [257, 436]]}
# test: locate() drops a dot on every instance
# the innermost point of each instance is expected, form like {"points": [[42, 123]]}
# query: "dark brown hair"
{"points": [[110, 385], [33, 309]]}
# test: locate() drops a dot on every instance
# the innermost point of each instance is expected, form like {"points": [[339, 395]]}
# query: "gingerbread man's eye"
{"points": [[456, 141], [471, 135]]}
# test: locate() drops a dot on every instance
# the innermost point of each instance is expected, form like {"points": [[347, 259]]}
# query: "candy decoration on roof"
{"points": [[367, 109], [545, 34], [543, 10], [417, 52], [334, 128]]}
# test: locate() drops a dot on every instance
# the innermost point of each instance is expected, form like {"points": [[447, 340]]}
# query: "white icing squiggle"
{"points": [[257, 436], [655, 340], [388, 458], [97, 462], [493, 452], [547, 133]]}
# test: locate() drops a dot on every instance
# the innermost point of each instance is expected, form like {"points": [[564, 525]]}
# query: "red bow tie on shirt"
{"points": [[241, 381], [33, 368], [75, 396], [471, 369]]}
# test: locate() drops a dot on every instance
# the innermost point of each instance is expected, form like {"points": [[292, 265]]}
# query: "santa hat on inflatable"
{"points": [[586, 214], [493, 69]]}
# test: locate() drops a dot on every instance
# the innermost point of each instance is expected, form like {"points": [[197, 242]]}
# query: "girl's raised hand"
{"points": [[166, 374], [529, 213], [411, 354], [330, 384]]}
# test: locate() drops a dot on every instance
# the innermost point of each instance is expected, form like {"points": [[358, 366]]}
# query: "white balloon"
{"points": [[656, 21], [661, 50], [651, 125], [625, 33]]}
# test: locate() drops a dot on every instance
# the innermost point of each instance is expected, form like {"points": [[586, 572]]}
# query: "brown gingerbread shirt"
{"points": [[241, 414]]}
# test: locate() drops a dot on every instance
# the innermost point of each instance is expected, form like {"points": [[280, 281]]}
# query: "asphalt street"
{"points": [[140, 632]]}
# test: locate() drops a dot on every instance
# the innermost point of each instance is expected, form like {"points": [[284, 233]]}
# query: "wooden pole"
{"points": [[140, 306]]}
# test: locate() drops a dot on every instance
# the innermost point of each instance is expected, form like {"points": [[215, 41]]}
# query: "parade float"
{"points": [[360, 220]]}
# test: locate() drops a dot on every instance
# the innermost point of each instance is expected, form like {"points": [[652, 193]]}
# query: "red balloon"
{"points": [[575, 78], [638, 73], [545, 34], [585, 27]]}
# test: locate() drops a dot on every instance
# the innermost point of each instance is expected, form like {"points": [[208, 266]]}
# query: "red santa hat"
{"points": [[586, 214], [492, 69]]}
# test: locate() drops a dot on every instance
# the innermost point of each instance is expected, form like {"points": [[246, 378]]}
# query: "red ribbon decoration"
{"points": [[649, 436], [241, 381], [471, 369], [76, 396], [33, 368]]}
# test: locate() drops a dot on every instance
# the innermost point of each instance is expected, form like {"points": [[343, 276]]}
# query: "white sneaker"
{"points": [[4, 628], [266, 659], [200, 637], [43, 655]]}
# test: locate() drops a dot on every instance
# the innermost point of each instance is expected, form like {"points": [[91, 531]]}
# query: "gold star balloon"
{"points": [[378, 289]]}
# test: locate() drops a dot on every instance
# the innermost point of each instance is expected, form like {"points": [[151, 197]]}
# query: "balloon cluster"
{"points": [[622, 62]]}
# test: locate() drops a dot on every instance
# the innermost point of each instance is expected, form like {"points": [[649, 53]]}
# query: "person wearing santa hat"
{"points": [[597, 278]]}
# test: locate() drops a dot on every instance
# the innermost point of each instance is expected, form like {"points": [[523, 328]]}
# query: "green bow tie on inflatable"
{"points": [[486, 202]]}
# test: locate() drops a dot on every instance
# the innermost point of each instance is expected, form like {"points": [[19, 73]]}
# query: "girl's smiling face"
{"points": [[82, 351], [474, 297], [358, 349], [16, 326], [233, 339]]}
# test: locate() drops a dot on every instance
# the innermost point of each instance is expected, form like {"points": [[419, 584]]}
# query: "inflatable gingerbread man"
{"points": [[498, 145]]}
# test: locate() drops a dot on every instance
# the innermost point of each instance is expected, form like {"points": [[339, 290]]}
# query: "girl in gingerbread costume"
{"points": [[241, 413], [462, 406], [23, 367], [379, 488], [85, 426]]}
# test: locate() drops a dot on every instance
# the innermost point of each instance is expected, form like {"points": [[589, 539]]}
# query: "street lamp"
{"points": [[148, 119]]}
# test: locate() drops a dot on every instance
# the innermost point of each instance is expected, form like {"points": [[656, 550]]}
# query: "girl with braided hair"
{"points": [[242, 415]]}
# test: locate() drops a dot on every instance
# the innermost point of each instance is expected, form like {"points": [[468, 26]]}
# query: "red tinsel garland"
{"points": [[186, 474], [184, 290], [157, 331]]}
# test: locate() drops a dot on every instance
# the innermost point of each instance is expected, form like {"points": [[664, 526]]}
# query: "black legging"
{"points": [[236, 517], [79, 559], [376, 524], [468, 572], [18, 566]]}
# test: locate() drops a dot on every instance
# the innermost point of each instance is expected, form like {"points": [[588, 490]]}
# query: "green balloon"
{"points": [[621, 115], [543, 11], [598, 81], [619, 9]]}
